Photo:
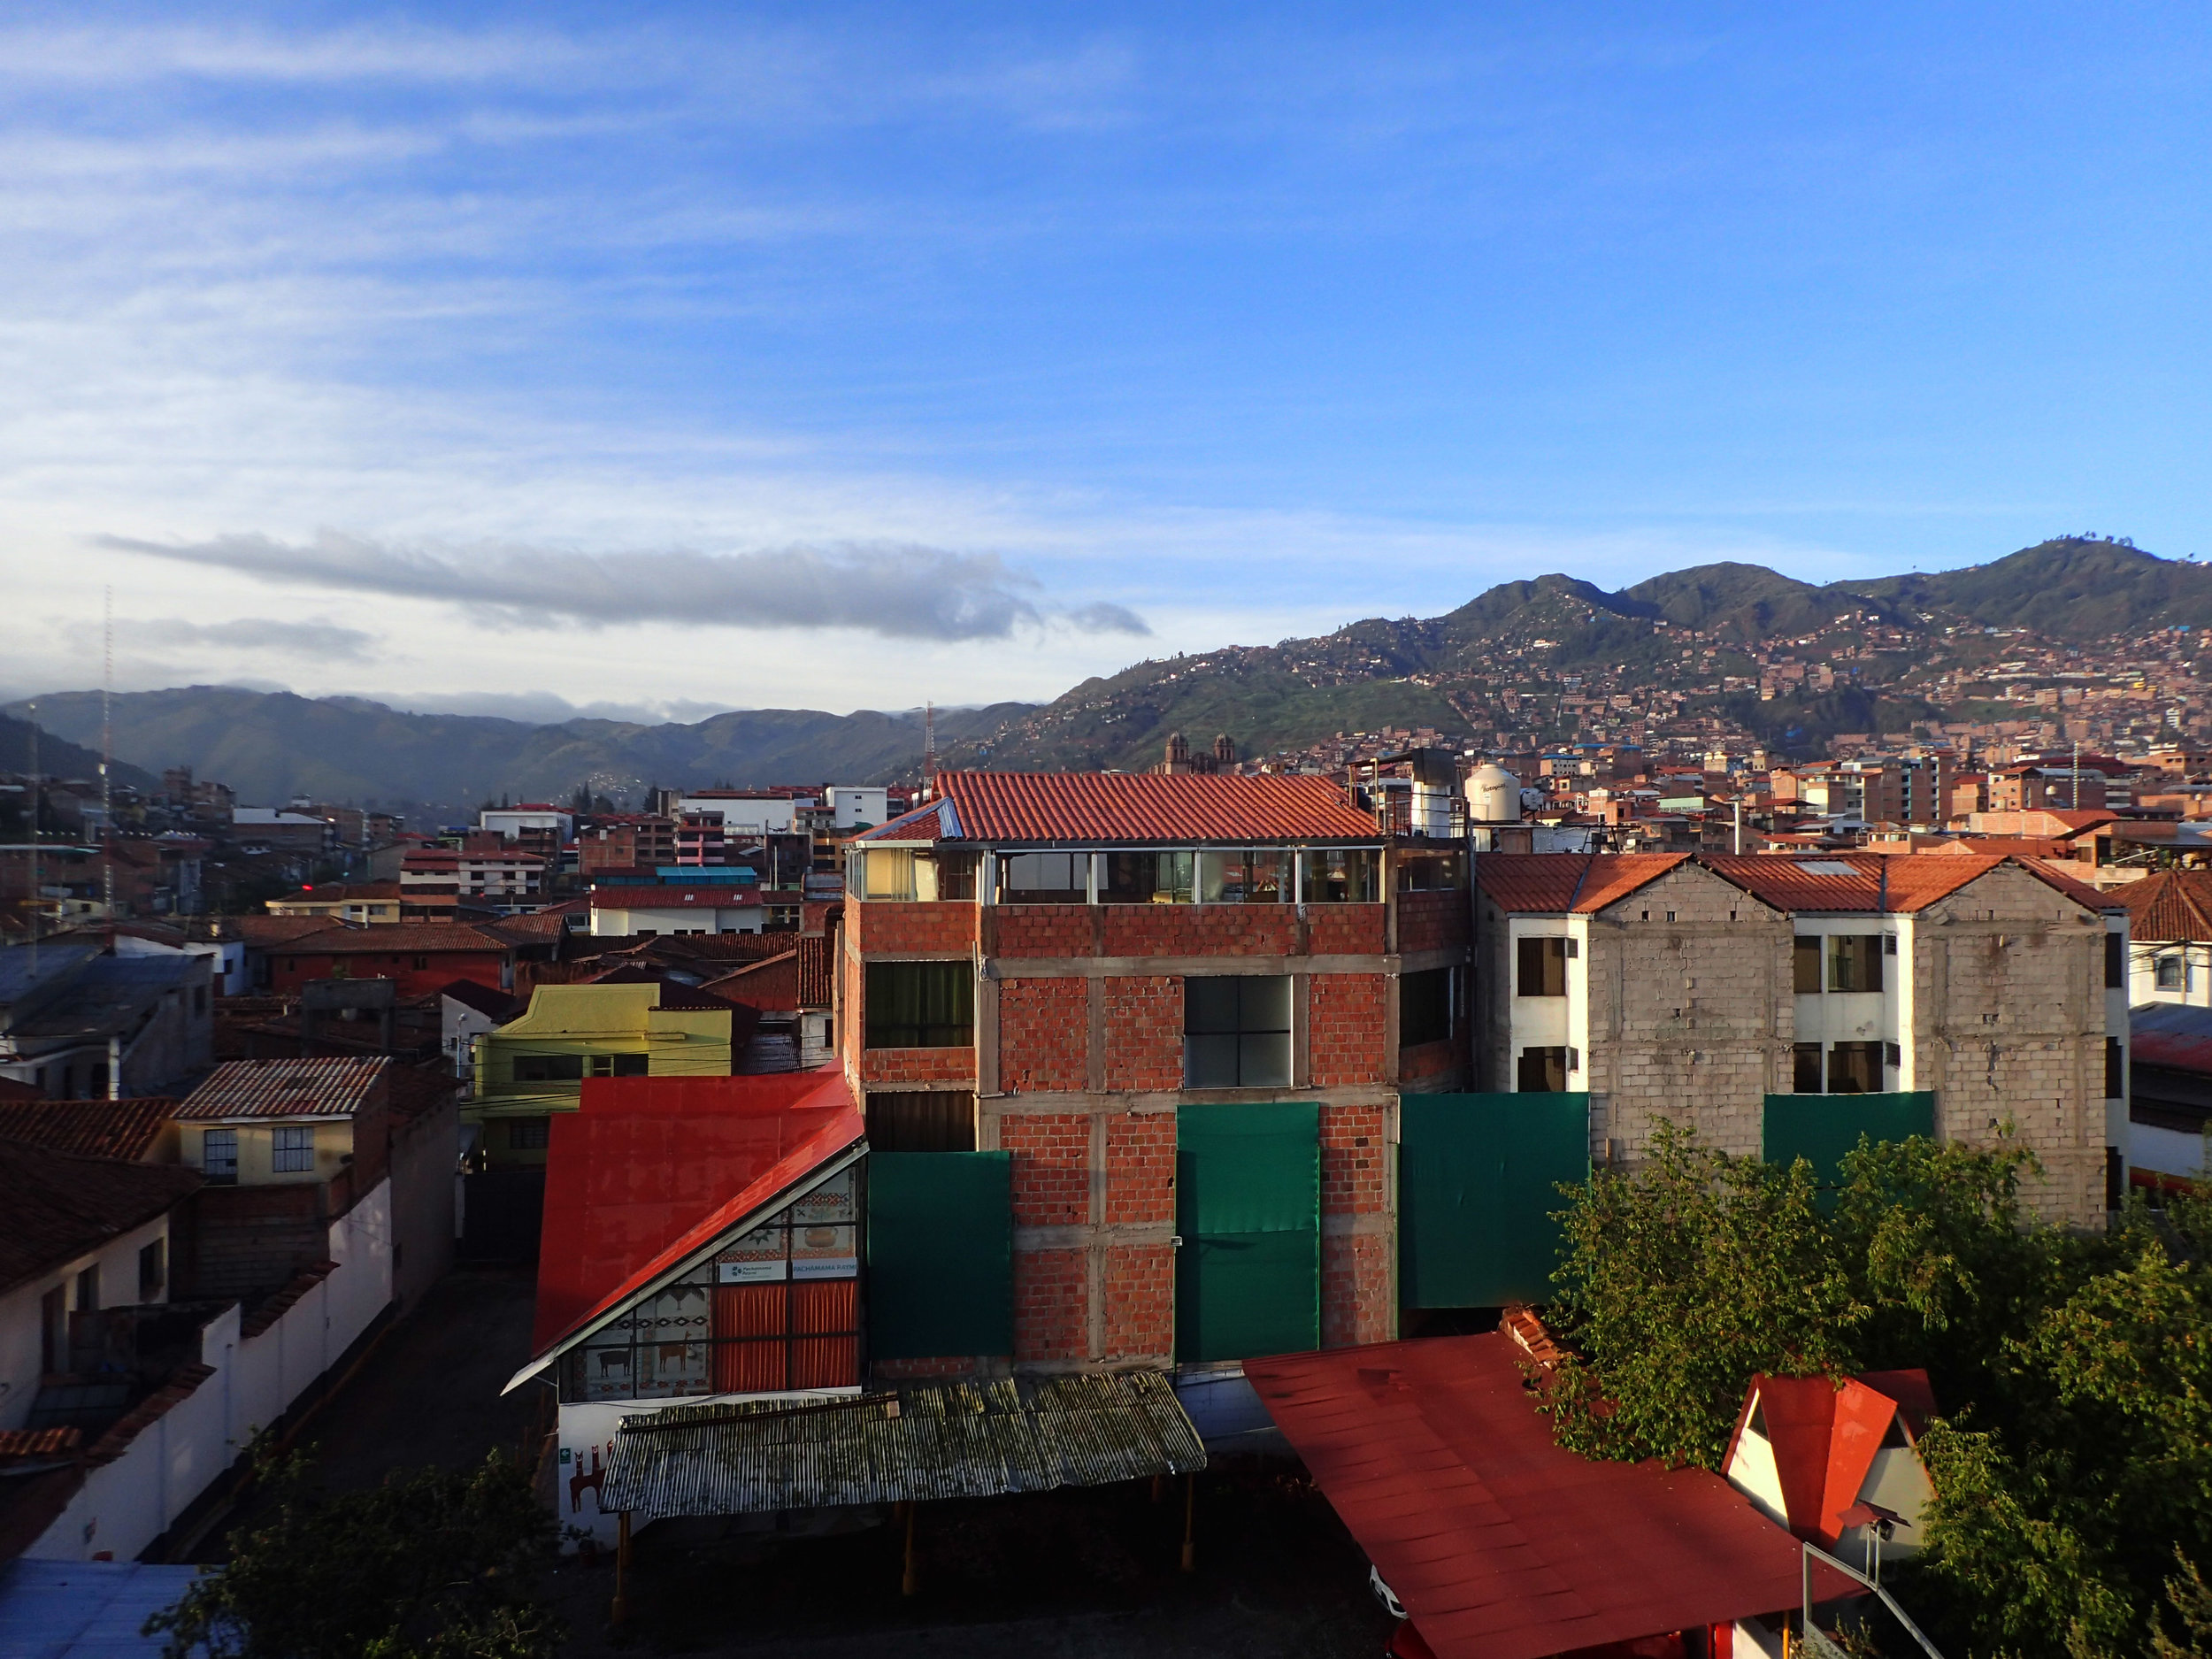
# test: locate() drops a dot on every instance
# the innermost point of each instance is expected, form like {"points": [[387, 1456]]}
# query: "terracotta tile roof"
{"points": [[283, 930], [93, 1128], [320, 1087], [548, 923], [1568, 883], [407, 939], [2170, 906], [22, 1445], [1101, 808], [341, 892], [61, 1206], [817, 970], [772, 983]]}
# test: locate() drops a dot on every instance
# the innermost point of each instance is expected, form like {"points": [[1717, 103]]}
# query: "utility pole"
{"points": [[2074, 803], [36, 794], [107, 759], [929, 751]]}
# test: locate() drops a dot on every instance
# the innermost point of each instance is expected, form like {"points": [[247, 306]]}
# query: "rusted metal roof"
{"points": [[928, 1441], [319, 1088], [94, 1128], [1101, 809], [2169, 1035], [1499, 1543]]}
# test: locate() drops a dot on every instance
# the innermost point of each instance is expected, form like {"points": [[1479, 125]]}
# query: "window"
{"points": [[53, 1331], [153, 1270], [88, 1290], [886, 874], [920, 1005], [1542, 1071], [2114, 963], [1425, 1002], [1155, 878], [1236, 1031], [2173, 972], [1250, 876], [2115, 1069], [1805, 1068], [1805, 971], [549, 1068], [199, 999], [528, 1134], [617, 1065], [1340, 875], [1433, 872], [422, 962], [1541, 966], [921, 1120], [1855, 961], [1855, 1068], [218, 1154], [291, 1150], [1044, 878], [945, 876]]}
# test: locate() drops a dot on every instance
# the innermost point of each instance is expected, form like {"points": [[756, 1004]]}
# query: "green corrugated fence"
{"points": [[940, 1253], [1247, 1205], [1821, 1128]]}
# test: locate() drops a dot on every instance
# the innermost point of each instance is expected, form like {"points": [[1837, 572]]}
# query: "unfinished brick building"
{"points": [[1785, 1004], [1185, 1008]]}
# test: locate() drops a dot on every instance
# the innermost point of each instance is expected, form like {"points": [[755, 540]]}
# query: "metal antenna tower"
{"points": [[36, 801], [107, 758], [929, 750]]}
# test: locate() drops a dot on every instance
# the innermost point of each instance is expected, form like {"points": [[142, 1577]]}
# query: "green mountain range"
{"points": [[1443, 671]]}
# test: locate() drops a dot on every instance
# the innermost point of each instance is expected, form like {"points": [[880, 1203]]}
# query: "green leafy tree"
{"points": [[433, 1564]]}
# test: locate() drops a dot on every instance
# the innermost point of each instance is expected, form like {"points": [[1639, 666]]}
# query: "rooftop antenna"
{"points": [[107, 759], [929, 751]]}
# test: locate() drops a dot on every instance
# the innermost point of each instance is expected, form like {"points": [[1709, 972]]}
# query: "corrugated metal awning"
{"points": [[951, 1440]]}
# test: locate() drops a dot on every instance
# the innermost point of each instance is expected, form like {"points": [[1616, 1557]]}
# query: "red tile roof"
{"points": [[1095, 808], [815, 971], [1499, 1543], [1579, 884], [320, 1087], [2170, 906], [651, 1169], [283, 930], [406, 938], [94, 1128], [61, 1206], [772, 983]]}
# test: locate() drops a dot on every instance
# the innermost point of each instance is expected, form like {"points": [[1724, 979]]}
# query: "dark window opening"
{"points": [[1426, 1002], [920, 1005], [1044, 878], [921, 1120], [1855, 1068], [1147, 878], [1855, 961], [2115, 1069], [1542, 1071], [549, 1068], [2115, 962], [1805, 1069], [617, 1064], [89, 1289], [1236, 1031], [529, 1134], [2171, 973], [1541, 967], [53, 1330], [1805, 969], [153, 1270]]}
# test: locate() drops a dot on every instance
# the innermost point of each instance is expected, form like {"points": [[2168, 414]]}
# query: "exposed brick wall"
{"points": [[1042, 930], [1051, 1304], [1353, 1167], [887, 927], [1052, 1167], [1432, 921], [919, 1065], [1200, 930], [1344, 930], [1140, 1168], [1354, 1289], [1427, 1061], [1348, 1034], [1144, 1032], [1043, 1035], [1140, 1301]]}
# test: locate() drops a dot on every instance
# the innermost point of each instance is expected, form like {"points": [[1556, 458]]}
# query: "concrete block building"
{"points": [[1748, 996], [1186, 1008]]}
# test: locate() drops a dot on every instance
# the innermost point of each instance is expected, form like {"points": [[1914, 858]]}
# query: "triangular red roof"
{"points": [[652, 1168]]}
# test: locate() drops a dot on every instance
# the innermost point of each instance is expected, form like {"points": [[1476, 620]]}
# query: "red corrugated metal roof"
{"points": [[649, 1169], [320, 1087], [1501, 1544], [1095, 808]]}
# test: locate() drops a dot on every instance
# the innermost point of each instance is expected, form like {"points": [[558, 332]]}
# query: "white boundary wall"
{"points": [[125, 1505]]}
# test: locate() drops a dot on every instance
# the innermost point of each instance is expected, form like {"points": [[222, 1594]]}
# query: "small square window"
{"points": [[529, 1134], [2172, 972], [1236, 1031], [218, 1155]]}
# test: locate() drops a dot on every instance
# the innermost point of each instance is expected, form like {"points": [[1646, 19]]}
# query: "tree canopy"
{"points": [[2073, 1462]]}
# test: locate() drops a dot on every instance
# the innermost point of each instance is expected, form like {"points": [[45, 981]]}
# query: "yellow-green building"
{"points": [[535, 1065]]}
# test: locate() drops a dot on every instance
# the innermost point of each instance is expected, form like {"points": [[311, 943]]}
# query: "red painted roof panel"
{"points": [[1099, 808], [1499, 1543], [651, 1168]]}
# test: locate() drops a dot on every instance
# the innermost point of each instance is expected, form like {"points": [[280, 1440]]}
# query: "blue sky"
{"points": [[666, 357]]}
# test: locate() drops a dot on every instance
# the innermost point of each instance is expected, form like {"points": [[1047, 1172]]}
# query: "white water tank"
{"points": [[1494, 795]]}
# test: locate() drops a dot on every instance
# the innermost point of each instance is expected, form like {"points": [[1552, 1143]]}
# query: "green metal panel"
{"points": [[940, 1253], [1247, 1204], [1478, 1184], [1821, 1128]]}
